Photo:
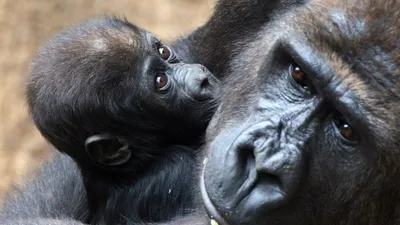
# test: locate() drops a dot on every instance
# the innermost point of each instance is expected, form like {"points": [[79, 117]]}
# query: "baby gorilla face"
{"points": [[145, 81], [175, 90]]}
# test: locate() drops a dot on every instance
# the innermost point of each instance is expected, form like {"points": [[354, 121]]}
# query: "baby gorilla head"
{"points": [[108, 85]]}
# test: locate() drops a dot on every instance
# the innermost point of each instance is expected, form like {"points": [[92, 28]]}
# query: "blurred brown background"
{"points": [[27, 25]]}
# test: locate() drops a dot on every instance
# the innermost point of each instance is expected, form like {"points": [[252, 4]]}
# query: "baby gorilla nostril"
{"points": [[204, 88], [205, 83]]}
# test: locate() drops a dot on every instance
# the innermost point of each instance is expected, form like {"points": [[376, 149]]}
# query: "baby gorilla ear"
{"points": [[108, 149]]}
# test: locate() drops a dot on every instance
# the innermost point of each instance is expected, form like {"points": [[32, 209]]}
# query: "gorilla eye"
{"points": [[165, 52], [161, 81], [344, 129], [301, 78]]}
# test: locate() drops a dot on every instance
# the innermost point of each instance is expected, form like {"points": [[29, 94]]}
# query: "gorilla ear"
{"points": [[108, 149]]}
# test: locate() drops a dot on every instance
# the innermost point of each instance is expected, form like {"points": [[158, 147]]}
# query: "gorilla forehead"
{"points": [[358, 42]]}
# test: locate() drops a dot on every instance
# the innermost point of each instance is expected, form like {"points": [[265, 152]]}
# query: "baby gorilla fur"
{"points": [[121, 104]]}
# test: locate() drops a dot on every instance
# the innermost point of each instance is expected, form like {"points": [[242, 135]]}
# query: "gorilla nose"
{"points": [[259, 173], [200, 83]]}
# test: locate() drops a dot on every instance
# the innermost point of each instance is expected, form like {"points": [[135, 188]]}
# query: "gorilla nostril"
{"points": [[246, 178], [205, 83], [246, 156], [270, 180], [204, 69]]}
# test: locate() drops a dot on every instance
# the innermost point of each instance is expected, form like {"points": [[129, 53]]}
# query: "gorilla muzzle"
{"points": [[251, 170]]}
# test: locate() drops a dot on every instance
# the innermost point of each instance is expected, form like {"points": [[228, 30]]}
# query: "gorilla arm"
{"points": [[41, 222], [56, 192]]}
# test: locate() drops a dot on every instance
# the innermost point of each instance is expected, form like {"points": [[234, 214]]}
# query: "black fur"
{"points": [[57, 192], [41, 222], [231, 27]]}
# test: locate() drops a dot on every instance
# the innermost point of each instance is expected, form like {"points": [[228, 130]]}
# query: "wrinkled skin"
{"points": [[319, 149]]}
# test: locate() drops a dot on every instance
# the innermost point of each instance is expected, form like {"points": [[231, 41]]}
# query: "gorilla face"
{"points": [[307, 129]]}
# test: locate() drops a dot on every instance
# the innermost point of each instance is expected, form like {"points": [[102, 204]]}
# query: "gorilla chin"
{"points": [[301, 144]]}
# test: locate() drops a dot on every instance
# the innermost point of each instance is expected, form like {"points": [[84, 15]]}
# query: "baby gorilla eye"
{"points": [[161, 82], [165, 52], [301, 78]]}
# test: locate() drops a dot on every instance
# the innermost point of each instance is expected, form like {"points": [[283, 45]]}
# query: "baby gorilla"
{"points": [[122, 105]]}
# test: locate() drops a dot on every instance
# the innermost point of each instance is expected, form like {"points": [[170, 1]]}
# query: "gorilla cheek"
{"points": [[249, 172]]}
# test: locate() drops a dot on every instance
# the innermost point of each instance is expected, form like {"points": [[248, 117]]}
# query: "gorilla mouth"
{"points": [[209, 206]]}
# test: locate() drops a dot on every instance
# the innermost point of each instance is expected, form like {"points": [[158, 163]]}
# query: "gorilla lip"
{"points": [[209, 206]]}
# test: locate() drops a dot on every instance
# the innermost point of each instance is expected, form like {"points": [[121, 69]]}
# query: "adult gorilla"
{"points": [[308, 129], [307, 132]]}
